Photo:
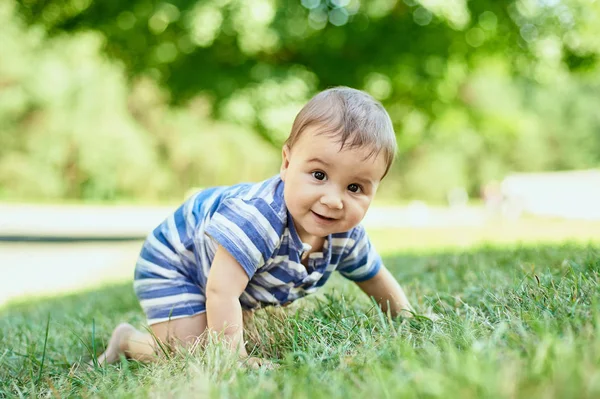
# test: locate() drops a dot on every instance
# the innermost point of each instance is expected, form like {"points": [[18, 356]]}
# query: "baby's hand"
{"points": [[255, 363]]}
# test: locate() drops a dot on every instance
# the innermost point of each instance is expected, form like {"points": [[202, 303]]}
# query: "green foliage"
{"points": [[516, 322], [476, 89], [72, 128]]}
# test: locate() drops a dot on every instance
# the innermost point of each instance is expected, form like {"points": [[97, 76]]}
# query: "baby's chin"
{"points": [[312, 229], [320, 232]]}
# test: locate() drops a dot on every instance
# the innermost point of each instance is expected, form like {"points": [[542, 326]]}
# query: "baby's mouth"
{"points": [[325, 218]]}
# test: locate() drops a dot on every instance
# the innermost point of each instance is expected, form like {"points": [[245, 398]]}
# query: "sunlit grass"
{"points": [[498, 232], [516, 322]]}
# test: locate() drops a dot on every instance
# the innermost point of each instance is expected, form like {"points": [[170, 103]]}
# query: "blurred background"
{"points": [[111, 112]]}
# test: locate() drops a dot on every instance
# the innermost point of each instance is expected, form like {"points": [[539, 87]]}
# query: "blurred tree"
{"points": [[72, 128], [476, 89], [397, 50]]}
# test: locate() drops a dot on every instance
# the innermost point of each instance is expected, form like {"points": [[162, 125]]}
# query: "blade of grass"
{"points": [[3, 356], [94, 356], [44, 351]]}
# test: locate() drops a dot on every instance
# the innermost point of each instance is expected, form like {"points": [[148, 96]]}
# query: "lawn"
{"points": [[517, 321]]}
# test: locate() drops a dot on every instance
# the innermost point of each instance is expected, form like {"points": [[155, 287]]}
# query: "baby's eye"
{"points": [[319, 175], [355, 188]]}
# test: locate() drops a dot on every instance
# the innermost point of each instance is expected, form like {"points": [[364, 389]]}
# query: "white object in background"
{"points": [[570, 194]]}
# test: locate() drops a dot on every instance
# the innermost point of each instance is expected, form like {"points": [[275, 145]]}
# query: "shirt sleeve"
{"points": [[248, 230], [361, 261]]}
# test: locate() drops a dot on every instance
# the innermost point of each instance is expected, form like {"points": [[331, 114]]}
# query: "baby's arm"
{"points": [[226, 282], [387, 292]]}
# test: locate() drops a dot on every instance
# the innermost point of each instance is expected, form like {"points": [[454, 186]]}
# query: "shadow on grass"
{"points": [[115, 297], [406, 266]]}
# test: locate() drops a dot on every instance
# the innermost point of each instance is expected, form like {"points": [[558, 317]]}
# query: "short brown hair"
{"points": [[354, 116]]}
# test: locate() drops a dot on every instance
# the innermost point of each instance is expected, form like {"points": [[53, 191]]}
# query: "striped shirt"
{"points": [[252, 223]]}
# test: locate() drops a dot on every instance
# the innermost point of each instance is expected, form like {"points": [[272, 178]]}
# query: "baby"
{"points": [[251, 245]]}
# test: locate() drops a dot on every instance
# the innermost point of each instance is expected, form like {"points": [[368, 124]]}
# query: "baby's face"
{"points": [[327, 190]]}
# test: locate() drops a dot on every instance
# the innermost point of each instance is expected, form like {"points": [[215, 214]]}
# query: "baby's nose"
{"points": [[332, 201]]}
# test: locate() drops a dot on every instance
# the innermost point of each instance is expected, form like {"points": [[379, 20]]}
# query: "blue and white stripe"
{"points": [[252, 223]]}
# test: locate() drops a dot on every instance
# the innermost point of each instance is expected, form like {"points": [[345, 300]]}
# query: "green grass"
{"points": [[518, 322]]}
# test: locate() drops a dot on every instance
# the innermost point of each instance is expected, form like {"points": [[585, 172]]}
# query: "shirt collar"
{"points": [[279, 200], [295, 242]]}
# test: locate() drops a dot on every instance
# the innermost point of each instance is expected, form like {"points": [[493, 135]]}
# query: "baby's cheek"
{"points": [[360, 211], [296, 205], [291, 204], [354, 216]]}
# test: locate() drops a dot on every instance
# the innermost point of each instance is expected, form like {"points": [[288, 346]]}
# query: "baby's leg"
{"points": [[143, 346]]}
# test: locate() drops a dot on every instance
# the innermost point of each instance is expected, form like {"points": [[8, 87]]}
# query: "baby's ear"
{"points": [[285, 161]]}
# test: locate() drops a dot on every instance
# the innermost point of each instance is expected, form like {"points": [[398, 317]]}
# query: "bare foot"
{"points": [[116, 345]]}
